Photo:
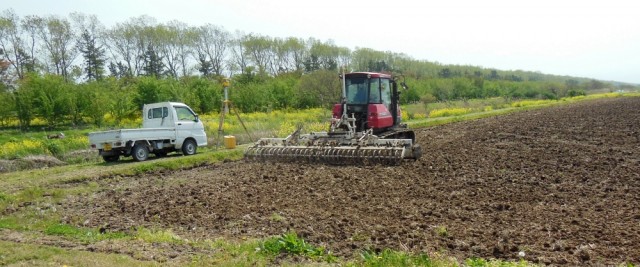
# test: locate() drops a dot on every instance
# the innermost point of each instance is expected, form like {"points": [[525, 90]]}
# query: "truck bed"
{"points": [[121, 136]]}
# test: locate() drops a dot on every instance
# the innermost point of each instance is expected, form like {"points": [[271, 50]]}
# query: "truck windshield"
{"points": [[185, 114]]}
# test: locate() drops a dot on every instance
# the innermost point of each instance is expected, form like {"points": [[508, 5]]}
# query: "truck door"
{"points": [[188, 125]]}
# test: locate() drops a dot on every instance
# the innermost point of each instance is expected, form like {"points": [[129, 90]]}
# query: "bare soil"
{"points": [[560, 184]]}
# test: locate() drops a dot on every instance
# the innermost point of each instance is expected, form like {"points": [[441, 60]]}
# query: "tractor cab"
{"points": [[370, 97]]}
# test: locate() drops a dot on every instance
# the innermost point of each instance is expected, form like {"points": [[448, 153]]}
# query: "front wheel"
{"points": [[189, 147], [140, 152]]}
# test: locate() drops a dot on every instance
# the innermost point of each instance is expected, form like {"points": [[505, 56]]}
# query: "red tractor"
{"points": [[365, 128]]}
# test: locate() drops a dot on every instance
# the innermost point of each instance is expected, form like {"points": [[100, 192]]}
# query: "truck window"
{"points": [[156, 113], [185, 113]]}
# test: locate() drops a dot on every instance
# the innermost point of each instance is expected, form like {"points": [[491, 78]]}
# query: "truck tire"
{"points": [[140, 152], [189, 147], [112, 158]]}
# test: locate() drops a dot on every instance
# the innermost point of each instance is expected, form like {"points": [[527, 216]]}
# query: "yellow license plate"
{"points": [[106, 147]]}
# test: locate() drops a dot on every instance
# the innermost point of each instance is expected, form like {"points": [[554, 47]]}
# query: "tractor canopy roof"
{"points": [[368, 74]]}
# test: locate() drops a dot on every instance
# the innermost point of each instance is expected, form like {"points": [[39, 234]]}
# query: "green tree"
{"points": [[320, 88], [322, 55], [119, 70], [239, 55], [130, 41], [251, 97], [281, 89], [93, 101], [207, 94], [93, 54], [494, 75], [445, 73], [13, 46], [149, 90], [51, 97], [409, 96], [211, 45], [7, 109], [258, 48], [595, 84], [572, 84], [289, 54], [58, 39], [443, 89], [153, 65], [574, 92], [24, 103], [122, 104], [366, 59]]}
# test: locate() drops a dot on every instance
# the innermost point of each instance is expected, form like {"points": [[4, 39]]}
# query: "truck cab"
{"points": [[178, 116]]}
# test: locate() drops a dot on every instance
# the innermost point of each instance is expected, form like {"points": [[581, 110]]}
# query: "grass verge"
{"points": [[21, 254]]}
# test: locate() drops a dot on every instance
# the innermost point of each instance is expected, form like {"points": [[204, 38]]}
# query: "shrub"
{"points": [[574, 92], [55, 148]]}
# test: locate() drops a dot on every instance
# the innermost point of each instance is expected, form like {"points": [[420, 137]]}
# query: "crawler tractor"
{"points": [[365, 129]]}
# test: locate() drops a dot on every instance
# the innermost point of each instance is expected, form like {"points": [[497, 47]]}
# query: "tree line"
{"points": [[74, 70]]}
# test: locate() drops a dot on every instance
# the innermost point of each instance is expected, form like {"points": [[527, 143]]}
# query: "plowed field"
{"points": [[561, 184]]}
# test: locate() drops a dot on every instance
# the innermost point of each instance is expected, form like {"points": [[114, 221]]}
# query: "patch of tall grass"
{"points": [[157, 236], [278, 123], [56, 147], [527, 103], [446, 112]]}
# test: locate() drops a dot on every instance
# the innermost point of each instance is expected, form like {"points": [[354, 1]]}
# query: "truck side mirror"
{"points": [[197, 118]]}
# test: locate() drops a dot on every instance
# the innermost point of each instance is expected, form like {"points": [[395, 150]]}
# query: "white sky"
{"points": [[595, 39]]}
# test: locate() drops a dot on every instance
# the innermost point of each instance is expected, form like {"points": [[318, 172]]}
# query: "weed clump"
{"points": [[291, 244]]}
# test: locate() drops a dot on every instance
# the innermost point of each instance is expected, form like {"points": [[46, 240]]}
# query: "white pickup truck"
{"points": [[166, 127]]}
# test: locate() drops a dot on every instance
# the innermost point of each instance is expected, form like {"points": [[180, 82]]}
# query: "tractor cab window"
{"points": [[357, 90], [374, 92], [385, 92], [185, 113]]}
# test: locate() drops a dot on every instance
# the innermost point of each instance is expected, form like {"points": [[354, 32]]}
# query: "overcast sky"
{"points": [[595, 39]]}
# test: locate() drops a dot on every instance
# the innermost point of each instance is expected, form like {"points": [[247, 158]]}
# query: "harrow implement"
{"points": [[334, 149], [332, 155]]}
